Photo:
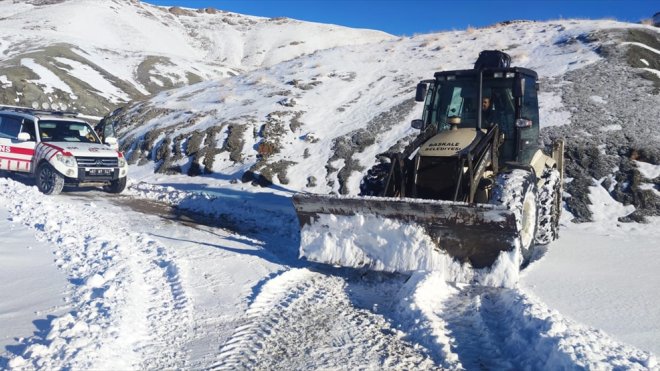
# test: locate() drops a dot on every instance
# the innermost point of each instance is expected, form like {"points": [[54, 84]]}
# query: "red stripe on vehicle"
{"points": [[22, 151], [53, 146], [59, 149]]}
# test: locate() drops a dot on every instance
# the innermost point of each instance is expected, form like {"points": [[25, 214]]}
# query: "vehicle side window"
{"points": [[28, 127], [9, 127]]}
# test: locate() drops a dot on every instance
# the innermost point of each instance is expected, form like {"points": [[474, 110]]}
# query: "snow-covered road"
{"points": [[37, 288], [139, 286], [127, 304], [303, 319]]}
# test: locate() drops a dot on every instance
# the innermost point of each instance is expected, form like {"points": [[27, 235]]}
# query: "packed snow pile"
{"points": [[372, 242], [388, 245]]}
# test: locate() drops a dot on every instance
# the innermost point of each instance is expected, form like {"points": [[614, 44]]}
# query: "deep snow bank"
{"points": [[29, 282], [383, 244], [124, 287]]}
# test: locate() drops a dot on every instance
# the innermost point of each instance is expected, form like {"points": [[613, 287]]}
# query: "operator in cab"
{"points": [[487, 115]]}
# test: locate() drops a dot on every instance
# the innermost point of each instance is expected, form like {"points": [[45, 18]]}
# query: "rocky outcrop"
{"points": [[614, 112]]}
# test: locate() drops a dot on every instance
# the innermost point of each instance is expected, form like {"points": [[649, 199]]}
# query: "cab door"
{"points": [[15, 154]]}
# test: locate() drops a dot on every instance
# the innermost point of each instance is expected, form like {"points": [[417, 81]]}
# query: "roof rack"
{"points": [[34, 111]]}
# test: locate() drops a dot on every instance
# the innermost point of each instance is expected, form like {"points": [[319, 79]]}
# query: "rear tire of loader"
{"points": [[517, 192], [549, 207]]}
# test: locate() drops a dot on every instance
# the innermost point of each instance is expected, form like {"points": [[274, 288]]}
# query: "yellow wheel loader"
{"points": [[475, 181]]}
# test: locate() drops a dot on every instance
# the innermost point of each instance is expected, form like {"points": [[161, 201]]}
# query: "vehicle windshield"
{"points": [[66, 131], [459, 97]]}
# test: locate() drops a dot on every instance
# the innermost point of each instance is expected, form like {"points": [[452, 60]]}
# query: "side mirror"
{"points": [[523, 123], [111, 141], [519, 87], [420, 94], [23, 137], [417, 124]]}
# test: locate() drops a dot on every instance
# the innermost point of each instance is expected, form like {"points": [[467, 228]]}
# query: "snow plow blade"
{"points": [[474, 233]]}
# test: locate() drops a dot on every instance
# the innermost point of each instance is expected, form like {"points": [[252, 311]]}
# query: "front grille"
{"points": [[97, 161], [437, 178]]}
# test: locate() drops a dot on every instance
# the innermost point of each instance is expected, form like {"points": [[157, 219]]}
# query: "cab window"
{"points": [[455, 98], [530, 107], [105, 131], [9, 127]]}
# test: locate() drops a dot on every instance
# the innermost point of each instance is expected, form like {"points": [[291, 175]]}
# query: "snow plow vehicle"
{"points": [[475, 182], [57, 148]]}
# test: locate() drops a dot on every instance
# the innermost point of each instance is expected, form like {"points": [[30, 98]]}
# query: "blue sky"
{"points": [[414, 16]]}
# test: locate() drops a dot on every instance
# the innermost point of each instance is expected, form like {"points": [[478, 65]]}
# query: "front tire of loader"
{"points": [[517, 192], [373, 184], [549, 207]]}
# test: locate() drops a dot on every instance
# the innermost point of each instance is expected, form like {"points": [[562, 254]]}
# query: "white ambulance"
{"points": [[57, 149]]}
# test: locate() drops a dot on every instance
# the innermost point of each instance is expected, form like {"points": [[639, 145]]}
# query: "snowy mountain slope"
{"points": [[94, 55], [315, 123]]}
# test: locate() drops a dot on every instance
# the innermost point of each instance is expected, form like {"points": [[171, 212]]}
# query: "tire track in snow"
{"points": [[169, 315], [497, 328], [128, 307], [477, 327], [478, 339], [303, 319]]}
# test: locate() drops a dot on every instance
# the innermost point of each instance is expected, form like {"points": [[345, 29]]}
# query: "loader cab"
{"points": [[107, 132], [513, 106]]}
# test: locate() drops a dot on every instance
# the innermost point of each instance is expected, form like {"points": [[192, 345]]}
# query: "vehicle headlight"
{"points": [[69, 161], [122, 162]]}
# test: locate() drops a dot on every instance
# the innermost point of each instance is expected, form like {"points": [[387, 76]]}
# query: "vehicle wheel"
{"points": [[48, 180], [517, 191], [116, 186], [373, 184], [549, 201]]}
